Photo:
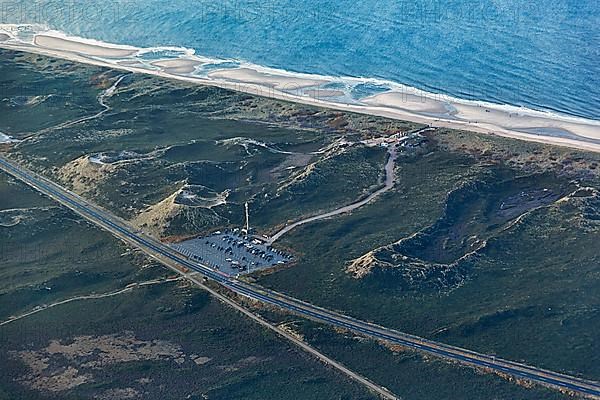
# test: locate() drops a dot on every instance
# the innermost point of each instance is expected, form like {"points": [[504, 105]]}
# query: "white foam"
{"points": [[7, 139]]}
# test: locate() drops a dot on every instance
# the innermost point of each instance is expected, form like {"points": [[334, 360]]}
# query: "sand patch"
{"points": [[408, 102], [320, 93], [4, 139], [251, 76], [177, 66], [65, 365], [83, 175], [60, 44], [527, 123]]}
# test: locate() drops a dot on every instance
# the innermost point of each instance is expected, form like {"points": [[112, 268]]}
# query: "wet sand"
{"points": [[177, 66], [251, 76], [60, 44]]}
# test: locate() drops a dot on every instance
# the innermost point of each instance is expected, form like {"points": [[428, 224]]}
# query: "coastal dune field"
{"points": [[468, 239]]}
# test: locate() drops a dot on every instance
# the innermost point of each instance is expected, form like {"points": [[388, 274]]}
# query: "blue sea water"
{"points": [[543, 55]]}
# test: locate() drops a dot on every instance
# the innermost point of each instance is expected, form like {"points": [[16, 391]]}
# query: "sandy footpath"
{"points": [[431, 110]]}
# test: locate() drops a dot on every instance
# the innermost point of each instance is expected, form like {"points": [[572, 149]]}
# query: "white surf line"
{"points": [[128, 288], [499, 121]]}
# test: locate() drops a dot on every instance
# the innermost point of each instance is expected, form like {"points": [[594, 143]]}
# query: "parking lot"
{"points": [[231, 253]]}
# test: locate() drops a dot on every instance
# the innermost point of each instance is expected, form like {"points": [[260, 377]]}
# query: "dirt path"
{"points": [[389, 183], [101, 100], [128, 288]]}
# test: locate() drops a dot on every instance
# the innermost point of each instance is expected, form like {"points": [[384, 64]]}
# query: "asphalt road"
{"points": [[164, 253]]}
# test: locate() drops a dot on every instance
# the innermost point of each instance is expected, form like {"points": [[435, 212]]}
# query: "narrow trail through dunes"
{"points": [[389, 183], [101, 100], [126, 289]]}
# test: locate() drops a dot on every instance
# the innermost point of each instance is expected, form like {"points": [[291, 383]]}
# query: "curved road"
{"points": [[168, 256]]}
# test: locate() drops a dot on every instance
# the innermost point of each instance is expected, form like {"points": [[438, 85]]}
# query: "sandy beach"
{"points": [[410, 103], [132, 63], [60, 44], [177, 66], [507, 121], [523, 122], [278, 82]]}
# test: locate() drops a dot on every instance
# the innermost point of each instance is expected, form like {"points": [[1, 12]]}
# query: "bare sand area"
{"points": [[251, 76], [526, 122], [132, 63], [432, 110], [495, 118], [178, 66], [408, 102], [60, 44], [6, 139]]}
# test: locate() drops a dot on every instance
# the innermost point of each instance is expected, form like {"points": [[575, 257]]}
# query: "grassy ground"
{"points": [[201, 136], [530, 288], [411, 375], [165, 341]]}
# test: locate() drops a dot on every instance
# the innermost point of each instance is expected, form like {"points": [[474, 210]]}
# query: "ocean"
{"points": [[539, 55]]}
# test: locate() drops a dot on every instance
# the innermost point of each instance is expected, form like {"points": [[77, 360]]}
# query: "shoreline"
{"points": [[414, 106]]}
